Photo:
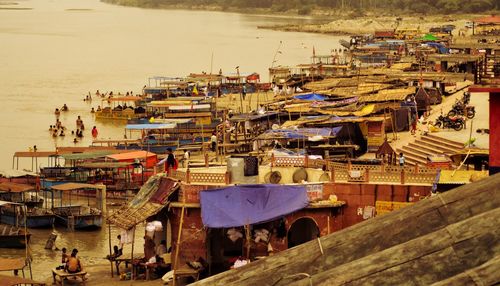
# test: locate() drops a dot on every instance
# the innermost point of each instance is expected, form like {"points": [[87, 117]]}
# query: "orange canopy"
{"points": [[150, 158]]}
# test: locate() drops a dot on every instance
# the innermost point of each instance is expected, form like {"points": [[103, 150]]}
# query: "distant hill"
{"points": [[305, 7]]}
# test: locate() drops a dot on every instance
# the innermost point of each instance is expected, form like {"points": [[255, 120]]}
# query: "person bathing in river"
{"points": [[64, 108], [79, 122], [94, 132]]}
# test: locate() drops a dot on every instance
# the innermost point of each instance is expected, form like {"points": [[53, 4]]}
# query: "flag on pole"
{"points": [[314, 52]]}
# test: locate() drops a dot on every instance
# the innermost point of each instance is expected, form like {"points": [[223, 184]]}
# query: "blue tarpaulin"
{"points": [[249, 204], [300, 133], [441, 48], [310, 96]]}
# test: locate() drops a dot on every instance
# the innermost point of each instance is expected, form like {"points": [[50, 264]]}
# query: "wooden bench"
{"points": [[60, 276], [186, 272]]}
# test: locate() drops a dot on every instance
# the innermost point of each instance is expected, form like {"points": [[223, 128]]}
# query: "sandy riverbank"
{"points": [[370, 24]]}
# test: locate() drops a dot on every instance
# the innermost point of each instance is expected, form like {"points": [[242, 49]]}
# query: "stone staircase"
{"points": [[417, 151]]}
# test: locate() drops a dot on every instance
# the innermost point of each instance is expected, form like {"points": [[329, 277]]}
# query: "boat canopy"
{"points": [[12, 173], [87, 155], [131, 155], [15, 187], [152, 126], [3, 203], [123, 98], [104, 165], [75, 186], [189, 107], [310, 96]]}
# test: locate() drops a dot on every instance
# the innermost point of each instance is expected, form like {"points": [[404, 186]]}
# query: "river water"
{"points": [[59, 50]]}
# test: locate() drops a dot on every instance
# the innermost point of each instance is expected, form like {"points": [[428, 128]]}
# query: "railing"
{"points": [[342, 172], [201, 177]]}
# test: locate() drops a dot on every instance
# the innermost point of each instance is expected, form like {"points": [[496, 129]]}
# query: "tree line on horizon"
{"points": [[306, 6]]}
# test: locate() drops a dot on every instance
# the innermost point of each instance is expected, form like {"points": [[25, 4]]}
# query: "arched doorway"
{"points": [[302, 230]]}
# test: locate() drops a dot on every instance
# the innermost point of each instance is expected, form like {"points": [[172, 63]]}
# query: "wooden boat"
{"points": [[13, 237], [118, 112], [76, 216], [36, 216]]}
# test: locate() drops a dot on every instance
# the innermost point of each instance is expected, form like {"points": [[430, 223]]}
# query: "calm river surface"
{"points": [[60, 50]]}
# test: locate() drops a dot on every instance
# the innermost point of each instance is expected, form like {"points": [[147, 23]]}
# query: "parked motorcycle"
{"points": [[456, 123], [460, 108]]}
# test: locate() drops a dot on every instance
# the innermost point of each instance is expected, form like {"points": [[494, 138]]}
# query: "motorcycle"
{"points": [[456, 123], [459, 108]]}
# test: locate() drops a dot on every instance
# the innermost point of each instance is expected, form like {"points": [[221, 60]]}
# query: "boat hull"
{"points": [[13, 241], [32, 221], [82, 221]]}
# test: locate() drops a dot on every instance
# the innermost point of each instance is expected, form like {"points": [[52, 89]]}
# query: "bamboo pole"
{"points": [[248, 238], [132, 254], [179, 232], [109, 240]]}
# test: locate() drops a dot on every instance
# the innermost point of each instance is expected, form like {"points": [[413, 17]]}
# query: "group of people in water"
{"points": [[58, 130]]}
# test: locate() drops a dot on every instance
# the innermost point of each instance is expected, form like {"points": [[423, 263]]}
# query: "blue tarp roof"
{"points": [[250, 204], [300, 133], [442, 49], [310, 96]]}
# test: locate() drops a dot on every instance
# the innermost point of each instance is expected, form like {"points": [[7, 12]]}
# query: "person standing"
{"points": [[94, 132], [213, 140], [168, 161], [79, 122], [401, 160], [244, 91]]}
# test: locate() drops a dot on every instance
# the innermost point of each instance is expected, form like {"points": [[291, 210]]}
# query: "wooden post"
{"points": [[247, 239], [227, 178], [402, 176], [110, 253], [206, 160], [179, 232], [332, 175], [328, 226], [367, 175], [272, 160], [349, 164], [132, 254], [306, 161], [188, 176], [416, 168]]}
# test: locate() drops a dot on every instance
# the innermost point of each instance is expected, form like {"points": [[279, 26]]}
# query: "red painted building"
{"points": [[494, 93]]}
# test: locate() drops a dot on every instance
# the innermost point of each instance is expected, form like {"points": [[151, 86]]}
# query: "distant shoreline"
{"points": [[15, 8], [329, 22]]}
